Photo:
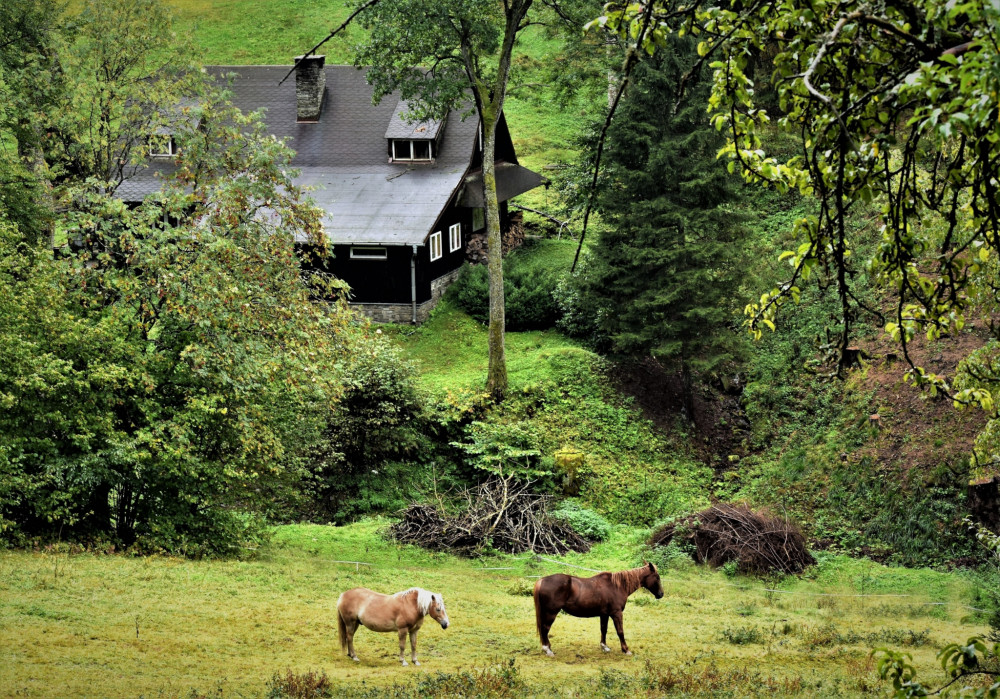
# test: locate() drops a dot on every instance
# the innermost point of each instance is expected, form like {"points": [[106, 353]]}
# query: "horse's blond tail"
{"points": [[538, 609], [341, 625]]}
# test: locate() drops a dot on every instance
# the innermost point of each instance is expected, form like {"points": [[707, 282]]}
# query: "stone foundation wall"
{"points": [[403, 312]]}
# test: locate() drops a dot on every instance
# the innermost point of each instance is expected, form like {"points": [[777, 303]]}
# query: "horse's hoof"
{"points": [[628, 652], [356, 659], [548, 652], [605, 648], [417, 663], [405, 663]]}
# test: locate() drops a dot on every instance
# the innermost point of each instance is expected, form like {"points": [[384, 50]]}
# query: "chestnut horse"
{"points": [[603, 595], [403, 612]]}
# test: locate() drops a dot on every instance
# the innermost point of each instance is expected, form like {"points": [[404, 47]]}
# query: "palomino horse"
{"points": [[403, 612], [603, 595]]}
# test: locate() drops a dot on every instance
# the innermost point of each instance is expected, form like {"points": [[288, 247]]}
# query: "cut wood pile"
{"points": [[499, 514], [513, 237], [757, 541]]}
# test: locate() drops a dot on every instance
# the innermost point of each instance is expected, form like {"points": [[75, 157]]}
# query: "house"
{"points": [[401, 199]]}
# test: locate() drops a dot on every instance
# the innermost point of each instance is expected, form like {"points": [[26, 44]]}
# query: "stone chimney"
{"points": [[310, 83]]}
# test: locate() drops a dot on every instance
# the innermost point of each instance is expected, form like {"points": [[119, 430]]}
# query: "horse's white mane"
{"points": [[423, 598]]}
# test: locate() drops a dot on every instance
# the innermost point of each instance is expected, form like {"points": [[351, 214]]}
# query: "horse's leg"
{"points": [[352, 627], [604, 633], [617, 616], [547, 619], [402, 645], [413, 646]]}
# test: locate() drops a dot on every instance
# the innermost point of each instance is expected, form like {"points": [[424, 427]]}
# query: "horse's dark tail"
{"points": [[341, 626], [538, 608]]}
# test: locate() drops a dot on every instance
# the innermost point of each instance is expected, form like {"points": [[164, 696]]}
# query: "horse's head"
{"points": [[437, 612], [651, 580]]}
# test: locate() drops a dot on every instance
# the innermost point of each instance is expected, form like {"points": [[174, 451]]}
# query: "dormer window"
{"points": [[162, 146], [412, 141], [408, 150]]}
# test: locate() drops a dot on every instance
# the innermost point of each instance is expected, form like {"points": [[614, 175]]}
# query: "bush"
{"points": [[585, 522], [507, 449], [528, 292], [375, 439]]}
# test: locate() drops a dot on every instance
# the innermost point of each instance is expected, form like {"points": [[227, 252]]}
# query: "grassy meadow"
{"points": [[100, 625]]}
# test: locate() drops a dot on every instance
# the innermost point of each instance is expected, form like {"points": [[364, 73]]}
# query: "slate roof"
{"points": [[344, 156], [399, 127]]}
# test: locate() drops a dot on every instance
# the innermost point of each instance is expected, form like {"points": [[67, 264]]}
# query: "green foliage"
{"points": [[159, 380], [959, 662], [499, 681], [505, 449], [374, 440], [677, 555], [583, 520], [530, 279], [886, 106], [743, 635], [658, 279]]}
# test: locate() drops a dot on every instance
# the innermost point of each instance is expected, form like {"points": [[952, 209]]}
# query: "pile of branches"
{"points": [[759, 542], [501, 514]]}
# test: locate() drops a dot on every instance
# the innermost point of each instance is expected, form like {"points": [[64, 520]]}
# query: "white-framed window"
{"points": [[454, 237], [359, 253], [411, 150], [436, 246], [162, 146]]}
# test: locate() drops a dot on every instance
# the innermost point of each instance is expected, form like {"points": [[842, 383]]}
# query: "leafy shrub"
{"points": [[587, 523], [677, 555], [695, 680], [505, 449], [529, 303], [375, 438]]}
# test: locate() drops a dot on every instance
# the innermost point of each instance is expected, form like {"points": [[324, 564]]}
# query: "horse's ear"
{"points": [[650, 564], [433, 597]]}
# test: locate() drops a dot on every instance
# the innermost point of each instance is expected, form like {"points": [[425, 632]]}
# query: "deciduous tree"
{"points": [[893, 105]]}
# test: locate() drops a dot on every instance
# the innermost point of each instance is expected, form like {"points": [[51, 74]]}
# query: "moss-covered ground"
{"points": [[114, 626]]}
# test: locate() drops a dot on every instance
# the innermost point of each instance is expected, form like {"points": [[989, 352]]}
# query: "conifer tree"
{"points": [[660, 279]]}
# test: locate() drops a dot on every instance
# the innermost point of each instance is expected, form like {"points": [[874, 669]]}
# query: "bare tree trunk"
{"points": [[496, 377]]}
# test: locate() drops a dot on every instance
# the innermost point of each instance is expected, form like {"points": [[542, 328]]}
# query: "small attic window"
{"points": [[408, 150], [162, 146]]}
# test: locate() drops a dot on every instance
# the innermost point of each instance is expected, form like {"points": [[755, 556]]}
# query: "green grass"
{"points": [[99, 625], [632, 472]]}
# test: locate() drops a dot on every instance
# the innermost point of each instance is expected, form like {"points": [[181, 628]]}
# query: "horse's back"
{"points": [[576, 596], [350, 604], [376, 611]]}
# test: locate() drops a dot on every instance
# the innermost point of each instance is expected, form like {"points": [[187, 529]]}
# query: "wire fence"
{"points": [[678, 581]]}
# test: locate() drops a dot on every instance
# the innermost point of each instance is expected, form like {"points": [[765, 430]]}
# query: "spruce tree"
{"points": [[661, 280]]}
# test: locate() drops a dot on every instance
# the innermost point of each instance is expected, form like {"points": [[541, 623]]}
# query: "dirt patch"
{"points": [[914, 431], [720, 424]]}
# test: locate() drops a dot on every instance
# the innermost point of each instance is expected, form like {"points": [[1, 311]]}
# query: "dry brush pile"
{"points": [[758, 541], [500, 514]]}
